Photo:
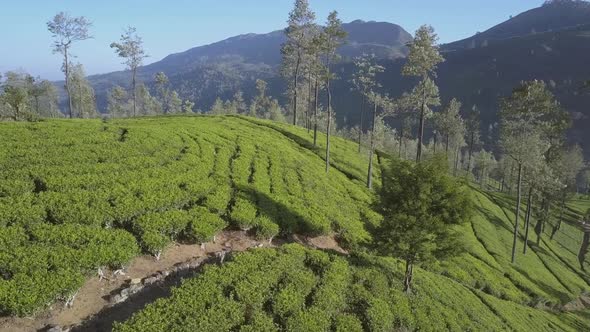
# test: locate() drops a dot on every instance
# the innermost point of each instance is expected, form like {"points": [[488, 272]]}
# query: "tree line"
{"points": [[532, 155]]}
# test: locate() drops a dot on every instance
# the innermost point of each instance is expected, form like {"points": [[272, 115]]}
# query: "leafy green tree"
{"points": [[525, 122], [314, 52], [299, 34], [66, 31], [163, 90], [131, 49], [118, 105], [421, 204], [188, 107], [539, 178], [261, 102], [83, 98], [449, 122], [365, 80], [44, 97], [147, 104], [484, 162], [333, 36], [276, 112], [16, 94], [217, 108], [585, 179], [175, 103], [472, 131], [567, 167], [423, 58], [238, 103], [229, 108]]}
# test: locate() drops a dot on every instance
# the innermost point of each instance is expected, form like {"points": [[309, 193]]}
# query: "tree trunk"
{"points": [[528, 219], [133, 85], [16, 113], [518, 194], [456, 161], [370, 171], [421, 132], [435, 141], [37, 105], [68, 90], [315, 113], [511, 178], [401, 138], [329, 126], [408, 277], [81, 105], [584, 250], [296, 83], [361, 126], [309, 94], [471, 142], [558, 225], [447, 145], [481, 177]]}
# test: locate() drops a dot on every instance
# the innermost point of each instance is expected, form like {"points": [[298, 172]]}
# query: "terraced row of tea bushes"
{"points": [[44, 262], [157, 180], [548, 274], [298, 289]]}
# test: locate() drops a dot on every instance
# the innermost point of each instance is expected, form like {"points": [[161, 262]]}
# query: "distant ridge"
{"points": [[551, 16]]}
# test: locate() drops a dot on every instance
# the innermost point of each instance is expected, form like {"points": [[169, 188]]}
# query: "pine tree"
{"points": [[163, 90], [423, 59], [299, 36], [473, 136], [333, 37]]}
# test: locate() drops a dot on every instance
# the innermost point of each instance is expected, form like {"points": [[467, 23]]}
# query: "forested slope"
{"points": [[80, 195]]}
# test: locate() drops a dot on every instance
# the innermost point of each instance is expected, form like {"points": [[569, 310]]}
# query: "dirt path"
{"points": [[93, 310]]}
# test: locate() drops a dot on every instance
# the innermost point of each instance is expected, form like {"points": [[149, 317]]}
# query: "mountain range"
{"points": [[550, 43]]}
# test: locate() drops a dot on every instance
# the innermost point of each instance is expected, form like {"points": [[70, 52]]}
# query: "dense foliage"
{"points": [[421, 205]]}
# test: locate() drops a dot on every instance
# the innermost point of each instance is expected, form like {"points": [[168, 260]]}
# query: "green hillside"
{"points": [[83, 194]]}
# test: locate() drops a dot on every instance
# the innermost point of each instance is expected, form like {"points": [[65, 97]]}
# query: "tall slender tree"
{"points": [[524, 130], [299, 35], [84, 100], [473, 135], [365, 80], [163, 90], [315, 52], [66, 31], [449, 122], [334, 36], [131, 49], [423, 58]]}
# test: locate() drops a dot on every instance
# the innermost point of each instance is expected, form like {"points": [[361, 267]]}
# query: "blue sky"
{"points": [[170, 26]]}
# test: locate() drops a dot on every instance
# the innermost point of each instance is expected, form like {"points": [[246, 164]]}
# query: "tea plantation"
{"points": [[80, 195]]}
